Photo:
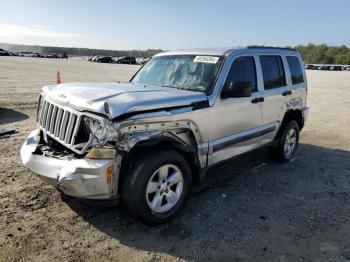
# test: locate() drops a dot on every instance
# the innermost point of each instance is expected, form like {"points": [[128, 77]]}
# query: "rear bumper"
{"points": [[305, 112], [83, 178]]}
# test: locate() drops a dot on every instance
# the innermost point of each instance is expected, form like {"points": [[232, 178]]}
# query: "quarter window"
{"points": [[295, 70], [273, 71], [243, 72]]}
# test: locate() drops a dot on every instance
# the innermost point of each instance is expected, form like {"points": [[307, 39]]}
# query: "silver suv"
{"points": [[148, 141]]}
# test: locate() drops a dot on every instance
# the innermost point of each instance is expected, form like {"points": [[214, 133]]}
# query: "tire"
{"points": [[282, 152], [148, 174]]}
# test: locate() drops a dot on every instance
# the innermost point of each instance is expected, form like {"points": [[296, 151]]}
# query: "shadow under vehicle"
{"points": [[249, 208]]}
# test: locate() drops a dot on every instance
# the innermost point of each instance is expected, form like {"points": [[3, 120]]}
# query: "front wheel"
{"points": [[287, 144], [157, 186]]}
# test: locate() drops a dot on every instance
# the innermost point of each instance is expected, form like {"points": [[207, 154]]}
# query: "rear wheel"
{"points": [[287, 143], [157, 186]]}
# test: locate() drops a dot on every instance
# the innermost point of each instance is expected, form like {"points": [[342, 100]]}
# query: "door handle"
{"points": [[287, 93], [258, 100]]}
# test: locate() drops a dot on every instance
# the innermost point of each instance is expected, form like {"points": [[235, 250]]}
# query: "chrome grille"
{"points": [[60, 123]]}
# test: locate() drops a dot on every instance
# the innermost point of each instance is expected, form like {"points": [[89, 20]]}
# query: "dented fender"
{"points": [[185, 132]]}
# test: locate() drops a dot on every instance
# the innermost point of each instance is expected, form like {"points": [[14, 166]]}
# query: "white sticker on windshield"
{"points": [[206, 59]]}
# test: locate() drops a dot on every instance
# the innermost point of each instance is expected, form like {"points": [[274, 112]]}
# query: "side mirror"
{"points": [[236, 89]]}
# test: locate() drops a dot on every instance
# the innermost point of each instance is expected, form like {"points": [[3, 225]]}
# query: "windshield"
{"points": [[187, 72]]}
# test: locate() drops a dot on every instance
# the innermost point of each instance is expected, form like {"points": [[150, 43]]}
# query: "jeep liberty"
{"points": [[148, 141]]}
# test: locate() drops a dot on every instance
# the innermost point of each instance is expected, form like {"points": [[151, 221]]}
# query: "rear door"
{"points": [[276, 89], [297, 81]]}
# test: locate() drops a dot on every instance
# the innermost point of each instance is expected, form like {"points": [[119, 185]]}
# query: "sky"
{"points": [[175, 24]]}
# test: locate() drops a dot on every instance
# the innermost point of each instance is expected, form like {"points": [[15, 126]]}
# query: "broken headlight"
{"points": [[97, 127]]}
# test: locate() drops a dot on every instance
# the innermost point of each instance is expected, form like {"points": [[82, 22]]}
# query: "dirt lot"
{"points": [[250, 209]]}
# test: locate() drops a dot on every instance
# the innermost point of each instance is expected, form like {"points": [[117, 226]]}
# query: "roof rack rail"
{"points": [[271, 47]]}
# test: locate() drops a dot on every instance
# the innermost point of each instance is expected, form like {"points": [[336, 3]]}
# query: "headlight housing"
{"points": [[98, 127]]}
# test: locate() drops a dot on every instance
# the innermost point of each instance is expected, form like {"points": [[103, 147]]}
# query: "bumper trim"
{"points": [[305, 112]]}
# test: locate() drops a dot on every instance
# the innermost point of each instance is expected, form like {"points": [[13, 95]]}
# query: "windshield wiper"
{"points": [[185, 89], [170, 87], [190, 89]]}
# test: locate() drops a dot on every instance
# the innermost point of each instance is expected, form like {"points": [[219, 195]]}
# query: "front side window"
{"points": [[242, 72], [295, 70], [273, 71], [187, 72]]}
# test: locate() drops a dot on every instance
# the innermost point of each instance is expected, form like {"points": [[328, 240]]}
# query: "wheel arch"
{"points": [[291, 114], [188, 149]]}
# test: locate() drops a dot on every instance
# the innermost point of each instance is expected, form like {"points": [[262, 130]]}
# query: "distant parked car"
{"points": [[141, 60], [40, 54], [311, 67], [146, 59], [27, 54], [90, 58], [104, 59], [306, 66], [51, 55], [126, 60], [95, 58], [4, 52], [115, 59]]}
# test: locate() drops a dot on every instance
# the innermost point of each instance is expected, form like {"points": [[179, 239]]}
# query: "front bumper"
{"points": [[83, 178]]}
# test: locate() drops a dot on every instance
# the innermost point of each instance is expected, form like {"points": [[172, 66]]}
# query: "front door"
{"points": [[236, 120]]}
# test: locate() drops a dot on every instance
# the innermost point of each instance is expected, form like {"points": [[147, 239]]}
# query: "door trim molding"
{"points": [[221, 143]]}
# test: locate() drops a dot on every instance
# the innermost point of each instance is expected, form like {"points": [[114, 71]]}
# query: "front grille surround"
{"points": [[62, 124]]}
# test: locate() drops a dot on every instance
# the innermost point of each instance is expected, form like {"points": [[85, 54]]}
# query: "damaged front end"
{"points": [[67, 152], [74, 175], [81, 153]]}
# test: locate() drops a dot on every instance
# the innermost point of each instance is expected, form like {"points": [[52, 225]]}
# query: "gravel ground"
{"points": [[249, 209]]}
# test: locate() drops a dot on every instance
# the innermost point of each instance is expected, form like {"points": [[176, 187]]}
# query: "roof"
{"points": [[198, 51], [223, 50]]}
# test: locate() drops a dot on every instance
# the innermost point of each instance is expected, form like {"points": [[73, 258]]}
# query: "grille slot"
{"points": [[62, 124]]}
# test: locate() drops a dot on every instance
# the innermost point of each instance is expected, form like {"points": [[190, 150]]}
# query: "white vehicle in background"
{"points": [[141, 60], [148, 141], [27, 54]]}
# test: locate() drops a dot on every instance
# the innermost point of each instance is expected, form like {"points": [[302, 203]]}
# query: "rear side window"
{"points": [[243, 72], [295, 70], [273, 71]]}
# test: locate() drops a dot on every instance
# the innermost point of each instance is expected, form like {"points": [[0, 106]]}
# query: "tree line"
{"points": [[324, 54], [311, 53], [75, 51]]}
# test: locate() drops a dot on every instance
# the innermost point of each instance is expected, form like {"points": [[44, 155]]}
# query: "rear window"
{"points": [[273, 71], [295, 70]]}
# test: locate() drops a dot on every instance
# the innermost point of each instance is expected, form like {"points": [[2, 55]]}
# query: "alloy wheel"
{"points": [[164, 188]]}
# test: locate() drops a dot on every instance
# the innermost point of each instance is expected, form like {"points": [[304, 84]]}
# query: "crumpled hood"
{"points": [[120, 98]]}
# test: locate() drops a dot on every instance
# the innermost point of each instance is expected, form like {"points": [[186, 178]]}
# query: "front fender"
{"points": [[183, 134]]}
